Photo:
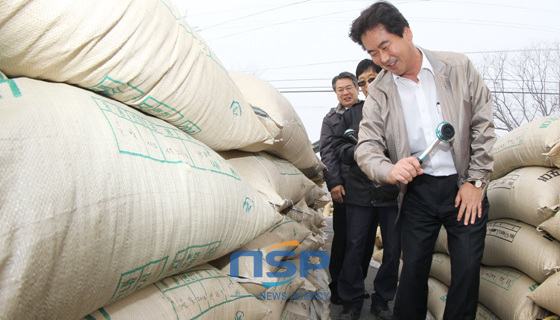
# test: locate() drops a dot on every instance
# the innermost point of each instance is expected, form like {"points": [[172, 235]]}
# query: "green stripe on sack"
{"points": [[13, 86]]}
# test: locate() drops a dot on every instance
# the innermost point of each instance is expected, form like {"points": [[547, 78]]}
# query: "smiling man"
{"points": [[417, 90], [345, 85]]}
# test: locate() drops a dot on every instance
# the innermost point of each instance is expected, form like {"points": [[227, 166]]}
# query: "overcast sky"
{"points": [[299, 46]]}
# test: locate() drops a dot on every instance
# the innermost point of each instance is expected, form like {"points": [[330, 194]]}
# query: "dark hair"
{"points": [[380, 13], [364, 65], [344, 75]]}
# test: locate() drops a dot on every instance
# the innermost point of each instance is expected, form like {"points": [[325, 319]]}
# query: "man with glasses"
{"points": [[366, 71], [345, 86]]}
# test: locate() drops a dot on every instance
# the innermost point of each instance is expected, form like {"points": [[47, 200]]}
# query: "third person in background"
{"points": [[367, 206], [366, 71], [345, 85]]}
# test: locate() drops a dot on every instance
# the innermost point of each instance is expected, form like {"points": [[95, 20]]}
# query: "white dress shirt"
{"points": [[422, 113]]}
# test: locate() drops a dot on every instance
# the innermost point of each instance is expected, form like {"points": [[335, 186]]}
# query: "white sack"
{"points": [[98, 200], [140, 52]]}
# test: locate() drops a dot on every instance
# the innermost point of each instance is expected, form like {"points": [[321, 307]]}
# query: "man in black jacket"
{"points": [[345, 86], [367, 205]]}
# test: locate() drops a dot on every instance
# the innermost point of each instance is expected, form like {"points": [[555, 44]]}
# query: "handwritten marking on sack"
{"points": [[507, 182], [502, 230], [140, 136], [248, 204], [500, 277], [138, 278], [548, 121], [127, 93], [235, 107], [12, 85]]}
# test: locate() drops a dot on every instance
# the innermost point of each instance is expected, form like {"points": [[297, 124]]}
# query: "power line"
{"points": [[254, 14]]}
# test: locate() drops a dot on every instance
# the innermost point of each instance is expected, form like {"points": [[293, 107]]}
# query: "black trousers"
{"points": [[428, 204], [361, 225], [338, 247]]}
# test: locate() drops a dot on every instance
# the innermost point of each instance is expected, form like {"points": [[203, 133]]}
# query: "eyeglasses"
{"points": [[363, 82], [347, 88]]}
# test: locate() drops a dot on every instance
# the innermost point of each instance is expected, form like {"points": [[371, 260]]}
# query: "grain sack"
{"points": [[319, 308], [141, 53], [297, 310], [287, 233], [378, 238], [441, 242], [437, 295], [328, 209], [547, 295], [437, 298], [310, 218], [292, 143], [534, 144], [200, 293], [529, 194], [275, 298], [504, 292], [276, 179], [441, 268], [518, 245], [551, 226], [98, 200], [317, 197]]}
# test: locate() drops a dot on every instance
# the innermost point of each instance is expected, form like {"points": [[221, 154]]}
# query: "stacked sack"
{"points": [[111, 189], [519, 278]]}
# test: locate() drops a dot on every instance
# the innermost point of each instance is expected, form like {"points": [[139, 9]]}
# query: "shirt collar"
{"points": [[426, 65]]}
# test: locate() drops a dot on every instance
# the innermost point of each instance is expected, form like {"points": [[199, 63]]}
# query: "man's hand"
{"points": [[469, 198], [337, 193], [405, 170]]}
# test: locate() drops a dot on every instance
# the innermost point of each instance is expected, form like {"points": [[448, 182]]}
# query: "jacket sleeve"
{"points": [[482, 129], [369, 153], [344, 149], [333, 172]]}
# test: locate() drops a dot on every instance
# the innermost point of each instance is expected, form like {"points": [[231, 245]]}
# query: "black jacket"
{"points": [[360, 190], [335, 171]]}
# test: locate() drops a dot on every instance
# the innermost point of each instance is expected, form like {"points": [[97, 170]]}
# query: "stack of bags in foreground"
{"points": [[519, 273], [133, 165]]}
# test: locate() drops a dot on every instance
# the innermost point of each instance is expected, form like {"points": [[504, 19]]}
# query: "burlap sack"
{"points": [[518, 245], [551, 226], [437, 298], [504, 291], [142, 53], [534, 144], [275, 298], [437, 295], [279, 181], [441, 242], [200, 293], [317, 197], [292, 143], [441, 268], [98, 200], [547, 295], [529, 194], [310, 218], [287, 232]]}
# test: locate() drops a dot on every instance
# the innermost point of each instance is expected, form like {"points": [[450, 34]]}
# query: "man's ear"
{"points": [[407, 34]]}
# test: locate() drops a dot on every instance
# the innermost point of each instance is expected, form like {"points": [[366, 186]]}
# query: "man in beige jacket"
{"points": [[418, 90]]}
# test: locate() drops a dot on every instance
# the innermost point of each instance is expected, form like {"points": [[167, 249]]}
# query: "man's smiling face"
{"points": [[391, 52], [346, 92]]}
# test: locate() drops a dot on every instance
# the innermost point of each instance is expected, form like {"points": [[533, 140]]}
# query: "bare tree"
{"points": [[525, 84]]}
